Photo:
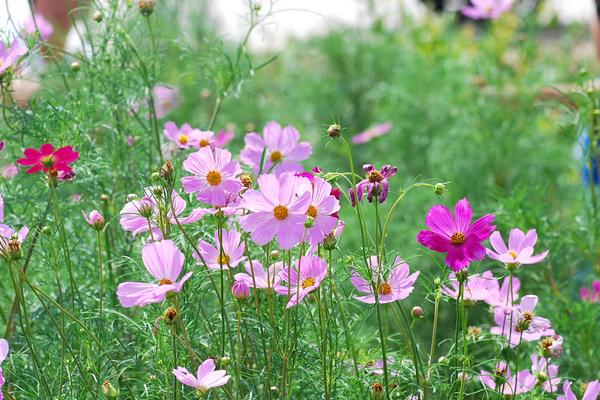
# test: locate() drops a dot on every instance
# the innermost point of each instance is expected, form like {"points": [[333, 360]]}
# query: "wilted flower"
{"points": [[240, 289], [502, 380], [50, 161], [372, 132], [206, 378], [184, 137], [519, 250], [39, 24], [94, 219], [305, 276], [591, 296], [591, 392], [164, 261], [487, 9], [397, 286], [456, 236], [11, 55], [282, 152], [476, 288], [546, 374], [232, 250], [375, 185], [259, 277], [277, 209], [109, 390]]}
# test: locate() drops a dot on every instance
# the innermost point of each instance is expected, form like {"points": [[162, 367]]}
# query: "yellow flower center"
{"points": [[308, 282], [527, 315], [276, 156], [280, 212], [458, 238], [213, 178], [512, 254], [223, 259], [384, 288], [164, 281], [375, 176], [48, 161], [204, 143], [183, 139], [312, 211]]}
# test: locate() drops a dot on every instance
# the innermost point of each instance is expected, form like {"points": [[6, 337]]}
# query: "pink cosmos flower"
{"points": [[223, 138], [263, 278], [476, 288], [520, 323], [240, 289], [499, 296], [94, 219], [215, 175], [456, 236], [376, 367], [9, 171], [393, 288], [277, 209], [594, 295], [282, 152], [508, 385], [11, 55], [184, 137], [519, 250], [47, 159], [3, 355], [233, 251], [41, 24], [371, 133], [322, 209], [551, 346], [164, 261], [305, 276], [546, 374], [206, 378], [487, 9], [375, 185], [139, 216], [165, 100], [591, 392]]}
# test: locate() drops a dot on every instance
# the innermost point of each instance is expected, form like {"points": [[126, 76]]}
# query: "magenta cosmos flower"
{"points": [[3, 355], [277, 209], [456, 236], [397, 286], [215, 175], [164, 261], [477, 287], [371, 133], [94, 219], [592, 391], [305, 276], [546, 374], [499, 296], [139, 216], [207, 377], [282, 152], [11, 55], [232, 255], [39, 24], [184, 137], [519, 250], [520, 323], [486, 9], [258, 277], [47, 159], [507, 384], [592, 296], [375, 185], [322, 209]]}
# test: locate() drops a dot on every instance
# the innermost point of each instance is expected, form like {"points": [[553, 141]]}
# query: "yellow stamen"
{"points": [[280, 212], [312, 211], [164, 281], [308, 282], [384, 288], [276, 156], [458, 238], [213, 178], [183, 139], [204, 143]]}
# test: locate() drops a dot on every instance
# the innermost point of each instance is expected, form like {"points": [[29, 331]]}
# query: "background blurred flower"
{"points": [[9, 56], [39, 24], [487, 9], [371, 133]]}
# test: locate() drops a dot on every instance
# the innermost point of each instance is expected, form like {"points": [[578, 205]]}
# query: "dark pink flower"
{"points": [[456, 236], [592, 296], [48, 160], [375, 185]]}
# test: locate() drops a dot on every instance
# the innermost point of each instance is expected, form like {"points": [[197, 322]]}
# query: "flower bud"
{"points": [[439, 189], [167, 172], [146, 7], [146, 208], [109, 390], [46, 230], [275, 254], [131, 197], [95, 220], [330, 242], [309, 223], [224, 361], [462, 275], [155, 177], [105, 198], [75, 66], [334, 131], [15, 252], [240, 290], [377, 391], [97, 16], [417, 312], [170, 315]]}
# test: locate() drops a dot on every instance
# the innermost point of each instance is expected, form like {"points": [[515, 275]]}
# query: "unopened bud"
{"points": [[309, 223], [274, 389], [439, 189], [155, 177], [15, 252], [417, 312], [334, 131], [170, 315], [109, 390], [105, 198], [146, 208], [225, 361], [275, 254], [75, 66], [462, 275], [167, 172], [146, 7], [377, 391], [240, 290], [95, 220], [46, 230], [330, 242], [97, 16]]}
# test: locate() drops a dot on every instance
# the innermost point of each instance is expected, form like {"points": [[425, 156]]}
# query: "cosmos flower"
{"points": [[9, 171], [277, 209], [233, 250], [456, 236], [520, 323], [592, 391], [507, 384], [305, 276], [396, 286], [9, 56], [47, 159], [486, 9], [592, 296], [215, 175], [39, 24], [322, 209], [499, 296], [476, 288], [371, 133], [376, 367], [263, 278], [94, 219], [240, 289], [164, 261], [165, 100], [551, 346], [375, 185], [3, 354], [222, 138], [281, 148], [1, 208], [11, 241], [519, 250], [184, 137], [206, 378], [546, 374]]}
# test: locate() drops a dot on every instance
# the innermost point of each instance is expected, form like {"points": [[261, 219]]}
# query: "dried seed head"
{"points": [[170, 315], [146, 7], [334, 131]]}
